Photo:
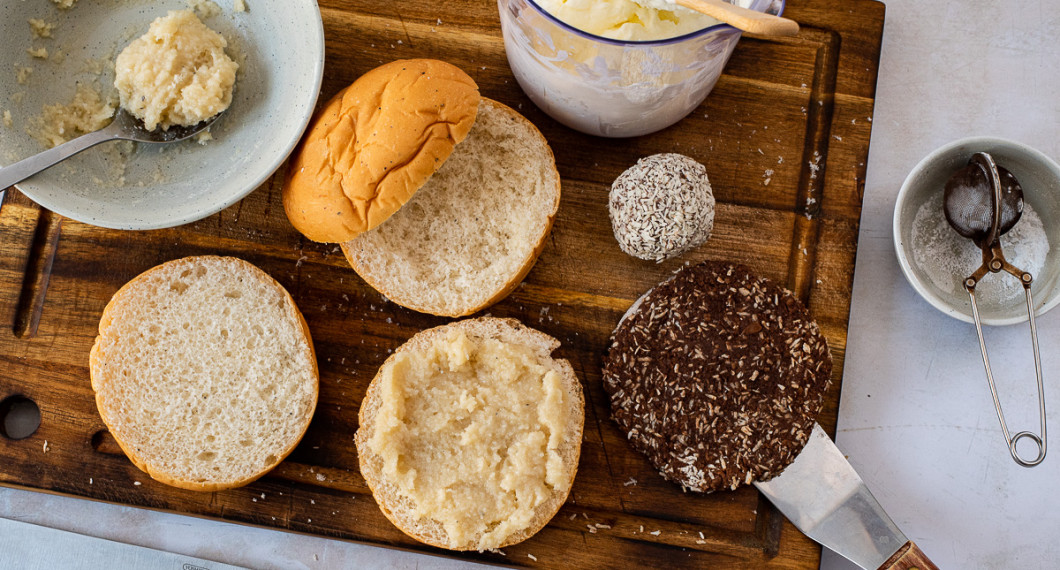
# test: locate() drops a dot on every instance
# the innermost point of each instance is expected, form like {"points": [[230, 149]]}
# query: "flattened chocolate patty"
{"points": [[717, 377]]}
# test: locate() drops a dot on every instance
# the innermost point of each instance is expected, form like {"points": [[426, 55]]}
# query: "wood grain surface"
{"points": [[784, 137]]}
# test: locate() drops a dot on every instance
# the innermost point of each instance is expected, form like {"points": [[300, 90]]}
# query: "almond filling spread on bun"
{"points": [[474, 454], [470, 434]]}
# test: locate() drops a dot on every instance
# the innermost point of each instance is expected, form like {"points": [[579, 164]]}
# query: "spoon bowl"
{"points": [[132, 129]]}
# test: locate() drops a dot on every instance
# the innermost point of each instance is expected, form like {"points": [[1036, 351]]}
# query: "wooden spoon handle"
{"points": [[909, 557], [742, 18]]}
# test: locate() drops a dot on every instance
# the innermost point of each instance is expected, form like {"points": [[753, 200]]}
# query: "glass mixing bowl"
{"points": [[614, 88]]}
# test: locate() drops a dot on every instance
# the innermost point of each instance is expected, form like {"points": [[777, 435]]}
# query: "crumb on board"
{"points": [[239, 6], [531, 557], [655, 532], [137, 483], [39, 52], [631, 481]]}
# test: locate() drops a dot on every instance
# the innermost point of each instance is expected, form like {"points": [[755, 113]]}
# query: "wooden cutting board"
{"points": [[785, 138]]}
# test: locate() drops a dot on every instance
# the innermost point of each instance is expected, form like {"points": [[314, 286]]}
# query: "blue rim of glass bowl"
{"points": [[612, 41]]}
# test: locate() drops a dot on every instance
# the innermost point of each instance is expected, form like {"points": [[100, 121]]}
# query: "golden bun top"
{"points": [[374, 144]]}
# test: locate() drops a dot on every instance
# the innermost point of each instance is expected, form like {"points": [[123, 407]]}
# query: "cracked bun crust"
{"points": [[375, 144]]}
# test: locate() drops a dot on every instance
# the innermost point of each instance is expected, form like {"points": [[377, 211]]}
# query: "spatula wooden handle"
{"points": [[909, 557], [742, 18]]}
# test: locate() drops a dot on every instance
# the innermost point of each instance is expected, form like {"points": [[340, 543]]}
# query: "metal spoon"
{"points": [[982, 202], [123, 127]]}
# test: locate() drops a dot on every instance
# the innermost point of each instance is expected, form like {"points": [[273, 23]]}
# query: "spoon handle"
{"points": [[743, 18], [19, 171]]}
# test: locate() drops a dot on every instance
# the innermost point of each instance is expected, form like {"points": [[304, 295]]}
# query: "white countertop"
{"points": [[916, 419]]}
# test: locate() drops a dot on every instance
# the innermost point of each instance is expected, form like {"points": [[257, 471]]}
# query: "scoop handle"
{"points": [[23, 169], [743, 18], [909, 557]]}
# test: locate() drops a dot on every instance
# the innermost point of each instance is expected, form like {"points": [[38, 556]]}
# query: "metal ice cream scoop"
{"points": [[982, 202], [123, 127]]}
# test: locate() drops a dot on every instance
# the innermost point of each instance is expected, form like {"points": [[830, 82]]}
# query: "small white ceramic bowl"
{"points": [[1039, 177], [280, 48]]}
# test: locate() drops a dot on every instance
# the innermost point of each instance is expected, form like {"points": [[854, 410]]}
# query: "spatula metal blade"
{"points": [[824, 497]]}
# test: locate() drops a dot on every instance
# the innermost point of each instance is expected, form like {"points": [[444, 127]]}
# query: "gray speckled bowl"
{"points": [[279, 45], [1040, 178]]}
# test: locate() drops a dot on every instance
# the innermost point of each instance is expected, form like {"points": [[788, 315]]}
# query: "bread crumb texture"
{"points": [[175, 74], [473, 226], [476, 435], [204, 373]]}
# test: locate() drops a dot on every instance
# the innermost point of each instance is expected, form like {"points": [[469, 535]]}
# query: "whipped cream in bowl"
{"points": [[617, 68]]}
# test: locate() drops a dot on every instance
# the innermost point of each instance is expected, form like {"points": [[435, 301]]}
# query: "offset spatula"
{"points": [[823, 497]]}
